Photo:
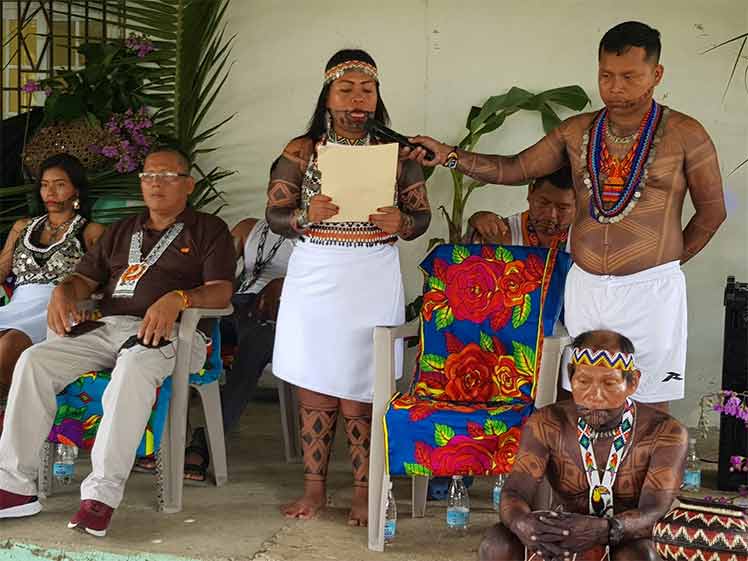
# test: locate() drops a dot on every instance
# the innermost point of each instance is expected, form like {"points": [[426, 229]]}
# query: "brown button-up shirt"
{"points": [[202, 252]]}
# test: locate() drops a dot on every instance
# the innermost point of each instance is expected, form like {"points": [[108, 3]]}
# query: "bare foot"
{"points": [[359, 515], [307, 507]]}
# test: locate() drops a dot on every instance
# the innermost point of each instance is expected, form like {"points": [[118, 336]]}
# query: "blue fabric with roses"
{"points": [[485, 311]]}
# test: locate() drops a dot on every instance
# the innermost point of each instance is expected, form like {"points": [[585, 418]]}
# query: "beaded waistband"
{"points": [[348, 234]]}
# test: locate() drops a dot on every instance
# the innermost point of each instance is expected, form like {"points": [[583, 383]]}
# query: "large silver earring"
{"points": [[328, 121], [76, 204]]}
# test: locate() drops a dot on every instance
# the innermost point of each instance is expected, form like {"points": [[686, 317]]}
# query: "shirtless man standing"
{"points": [[633, 163], [615, 466]]}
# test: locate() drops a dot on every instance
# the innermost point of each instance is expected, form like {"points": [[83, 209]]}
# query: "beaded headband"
{"points": [[602, 357], [358, 65]]}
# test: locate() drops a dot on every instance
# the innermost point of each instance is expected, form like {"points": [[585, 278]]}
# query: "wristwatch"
{"points": [[615, 531], [452, 158]]}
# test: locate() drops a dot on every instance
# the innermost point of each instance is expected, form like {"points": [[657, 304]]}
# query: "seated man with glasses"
{"points": [[150, 268]]}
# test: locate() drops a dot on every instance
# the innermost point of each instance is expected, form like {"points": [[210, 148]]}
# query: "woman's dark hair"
{"points": [[318, 122], [75, 172], [623, 36]]}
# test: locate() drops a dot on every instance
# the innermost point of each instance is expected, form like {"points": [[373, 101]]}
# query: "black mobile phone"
{"points": [[135, 340], [84, 327]]}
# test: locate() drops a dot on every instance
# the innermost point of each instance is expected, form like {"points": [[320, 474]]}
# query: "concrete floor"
{"points": [[241, 521]]}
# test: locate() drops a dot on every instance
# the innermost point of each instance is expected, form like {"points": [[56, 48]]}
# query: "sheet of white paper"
{"points": [[359, 179]]}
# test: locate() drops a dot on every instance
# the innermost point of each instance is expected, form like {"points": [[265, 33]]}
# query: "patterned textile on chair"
{"points": [[79, 407], [480, 348]]}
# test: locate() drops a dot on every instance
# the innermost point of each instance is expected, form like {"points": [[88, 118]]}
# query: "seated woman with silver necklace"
{"points": [[39, 252]]}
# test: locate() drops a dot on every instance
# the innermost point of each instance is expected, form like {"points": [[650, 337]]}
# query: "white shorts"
{"points": [[649, 308]]}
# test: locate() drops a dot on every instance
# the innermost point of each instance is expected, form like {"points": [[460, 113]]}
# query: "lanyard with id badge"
{"points": [[137, 265]]}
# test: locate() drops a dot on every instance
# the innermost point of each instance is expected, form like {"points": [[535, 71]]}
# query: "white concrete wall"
{"points": [[439, 57]]}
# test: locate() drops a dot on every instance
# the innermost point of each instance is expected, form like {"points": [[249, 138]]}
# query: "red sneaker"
{"points": [[17, 506], [92, 517]]}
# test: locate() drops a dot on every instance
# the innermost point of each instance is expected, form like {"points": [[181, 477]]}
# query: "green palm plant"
{"points": [[488, 118], [183, 79]]}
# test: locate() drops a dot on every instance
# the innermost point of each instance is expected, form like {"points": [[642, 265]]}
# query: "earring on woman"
{"points": [[76, 204], [328, 121]]}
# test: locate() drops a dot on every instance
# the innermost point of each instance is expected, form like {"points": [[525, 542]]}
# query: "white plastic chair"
{"points": [[384, 388], [170, 458], [289, 411]]}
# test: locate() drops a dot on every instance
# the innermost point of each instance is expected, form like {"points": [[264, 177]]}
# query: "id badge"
{"points": [[128, 280]]}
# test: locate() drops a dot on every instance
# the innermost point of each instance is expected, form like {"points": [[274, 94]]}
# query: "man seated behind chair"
{"points": [[551, 208], [252, 326], [150, 267], [600, 428]]}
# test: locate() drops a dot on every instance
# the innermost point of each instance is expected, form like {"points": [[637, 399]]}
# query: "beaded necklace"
{"points": [[530, 235], [625, 178], [601, 490]]}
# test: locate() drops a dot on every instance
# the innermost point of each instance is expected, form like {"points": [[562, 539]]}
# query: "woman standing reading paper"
{"points": [[343, 280]]}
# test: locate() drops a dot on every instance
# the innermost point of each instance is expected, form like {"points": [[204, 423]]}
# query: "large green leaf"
{"points": [[524, 358], [432, 363], [486, 343], [444, 318], [549, 118], [521, 312], [513, 98], [416, 469], [572, 97], [443, 434], [494, 427]]}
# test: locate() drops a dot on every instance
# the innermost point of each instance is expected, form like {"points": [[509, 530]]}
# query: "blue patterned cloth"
{"points": [[485, 311], [79, 406]]}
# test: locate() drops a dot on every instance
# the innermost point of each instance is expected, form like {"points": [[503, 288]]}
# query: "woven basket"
{"points": [[702, 532], [72, 138]]}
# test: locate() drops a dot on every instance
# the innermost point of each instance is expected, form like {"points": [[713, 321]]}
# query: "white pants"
{"points": [[45, 369], [649, 308]]}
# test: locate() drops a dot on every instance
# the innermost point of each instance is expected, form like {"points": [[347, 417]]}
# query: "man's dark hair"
{"points": [[615, 343], [560, 179], [184, 159], [318, 122], [623, 36], [76, 173]]}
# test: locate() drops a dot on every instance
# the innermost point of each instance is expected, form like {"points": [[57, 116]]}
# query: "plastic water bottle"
{"points": [[390, 519], [498, 485], [692, 473], [458, 505], [64, 467]]}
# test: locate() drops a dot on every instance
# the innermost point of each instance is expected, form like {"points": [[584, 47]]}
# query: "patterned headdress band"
{"points": [[602, 357], [358, 65]]}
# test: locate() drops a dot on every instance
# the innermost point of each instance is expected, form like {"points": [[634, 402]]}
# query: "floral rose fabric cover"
{"points": [[484, 314], [79, 407]]}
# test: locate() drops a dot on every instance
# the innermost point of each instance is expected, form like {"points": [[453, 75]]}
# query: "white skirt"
{"points": [[333, 298], [27, 311]]}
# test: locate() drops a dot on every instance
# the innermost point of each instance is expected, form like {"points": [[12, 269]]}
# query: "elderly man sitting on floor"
{"points": [[612, 510], [150, 268]]}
